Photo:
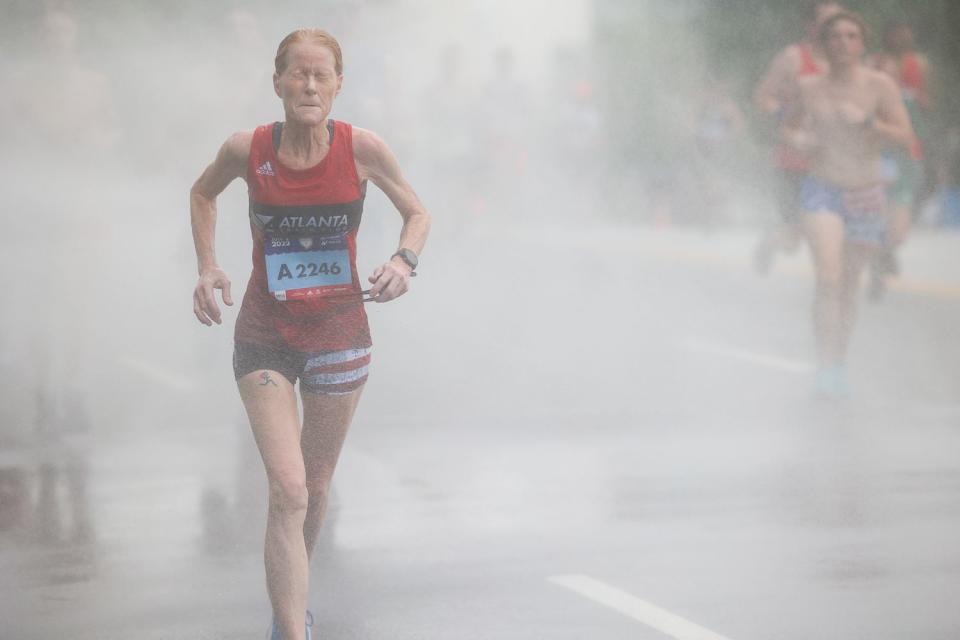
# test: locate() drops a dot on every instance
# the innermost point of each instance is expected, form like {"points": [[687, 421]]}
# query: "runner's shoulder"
{"points": [[236, 151], [371, 154], [882, 81], [793, 50], [791, 57], [368, 146], [238, 145]]}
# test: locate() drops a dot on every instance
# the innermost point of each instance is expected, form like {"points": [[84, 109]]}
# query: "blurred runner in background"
{"points": [[774, 99], [903, 169], [718, 126], [844, 121]]}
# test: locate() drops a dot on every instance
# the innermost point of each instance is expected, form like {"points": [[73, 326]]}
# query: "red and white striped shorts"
{"points": [[330, 372]]}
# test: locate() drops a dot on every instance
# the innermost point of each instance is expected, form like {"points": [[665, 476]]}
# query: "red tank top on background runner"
{"points": [[913, 83], [911, 75], [304, 292], [808, 64]]}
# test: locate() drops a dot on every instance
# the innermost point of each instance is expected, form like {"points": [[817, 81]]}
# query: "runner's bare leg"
{"points": [[855, 258], [326, 420], [271, 405], [825, 232]]}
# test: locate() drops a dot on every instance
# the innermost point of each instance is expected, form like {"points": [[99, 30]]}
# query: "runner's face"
{"points": [[845, 43], [309, 83]]}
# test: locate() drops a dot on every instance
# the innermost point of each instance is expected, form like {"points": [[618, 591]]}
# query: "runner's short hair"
{"points": [[810, 8], [849, 16], [317, 36]]}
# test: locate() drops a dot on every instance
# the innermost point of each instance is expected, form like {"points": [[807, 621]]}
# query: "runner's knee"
{"points": [[829, 283], [288, 495], [318, 489]]}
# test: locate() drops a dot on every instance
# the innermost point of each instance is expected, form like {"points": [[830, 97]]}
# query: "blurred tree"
{"points": [[742, 36], [652, 53], [645, 56]]}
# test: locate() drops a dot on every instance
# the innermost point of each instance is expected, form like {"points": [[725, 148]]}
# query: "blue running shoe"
{"points": [[308, 632], [831, 382]]}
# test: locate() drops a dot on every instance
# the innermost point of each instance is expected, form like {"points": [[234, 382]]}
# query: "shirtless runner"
{"points": [[844, 121]]}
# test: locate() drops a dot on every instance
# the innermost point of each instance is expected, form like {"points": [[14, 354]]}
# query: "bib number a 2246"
{"points": [[301, 268], [308, 270]]}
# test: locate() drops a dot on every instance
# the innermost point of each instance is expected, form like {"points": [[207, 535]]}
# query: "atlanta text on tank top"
{"points": [[304, 289]]}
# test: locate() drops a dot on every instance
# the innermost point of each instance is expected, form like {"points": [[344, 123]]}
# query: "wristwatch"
{"points": [[407, 256]]}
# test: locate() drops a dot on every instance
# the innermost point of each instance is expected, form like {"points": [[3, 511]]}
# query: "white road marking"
{"points": [[938, 411], [735, 353], [633, 607], [158, 374]]}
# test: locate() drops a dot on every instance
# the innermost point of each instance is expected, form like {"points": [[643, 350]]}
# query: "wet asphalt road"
{"points": [[627, 407]]}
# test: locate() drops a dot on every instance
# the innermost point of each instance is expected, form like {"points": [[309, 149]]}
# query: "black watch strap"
{"points": [[407, 256]]}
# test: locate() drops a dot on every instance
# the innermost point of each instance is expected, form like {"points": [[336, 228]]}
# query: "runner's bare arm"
{"points": [[376, 162], [230, 163], [777, 82], [796, 130], [892, 122]]}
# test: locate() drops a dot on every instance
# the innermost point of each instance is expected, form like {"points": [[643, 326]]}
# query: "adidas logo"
{"points": [[266, 169]]}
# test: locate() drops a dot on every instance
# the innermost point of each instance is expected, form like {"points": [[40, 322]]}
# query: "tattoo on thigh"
{"points": [[266, 379]]}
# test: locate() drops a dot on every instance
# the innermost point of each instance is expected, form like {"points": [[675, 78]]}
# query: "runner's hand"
{"points": [[205, 301], [802, 141], [390, 280]]}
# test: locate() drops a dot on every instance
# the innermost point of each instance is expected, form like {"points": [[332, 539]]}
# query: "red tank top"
{"points": [[913, 83], [788, 158], [911, 73], [304, 291], [808, 64]]}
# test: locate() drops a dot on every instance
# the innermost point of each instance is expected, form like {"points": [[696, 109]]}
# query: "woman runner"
{"points": [[302, 317]]}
